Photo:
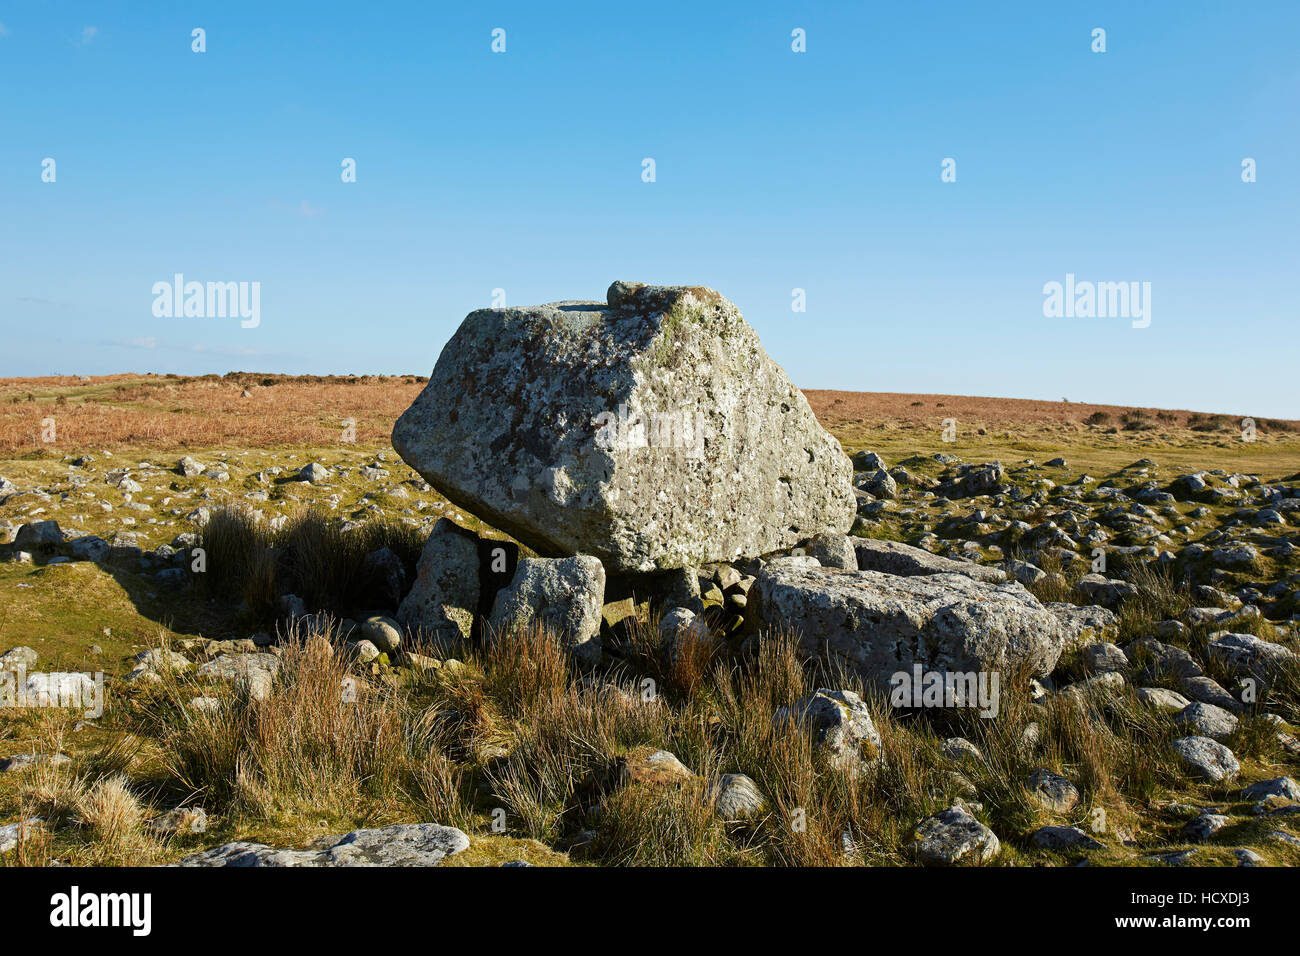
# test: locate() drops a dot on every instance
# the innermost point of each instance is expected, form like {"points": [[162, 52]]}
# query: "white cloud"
{"points": [[88, 34], [4, 30], [144, 342]]}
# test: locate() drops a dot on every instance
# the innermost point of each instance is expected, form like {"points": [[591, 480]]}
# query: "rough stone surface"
{"points": [[1206, 758], [253, 673], [1083, 623], [1052, 791], [405, 844], [1207, 720], [441, 603], [1063, 838], [839, 721], [1161, 698], [1284, 787], [882, 624], [652, 768], [564, 595], [833, 551], [382, 632], [11, 832], [651, 431], [953, 836], [737, 797], [1246, 654], [18, 658], [894, 557]]}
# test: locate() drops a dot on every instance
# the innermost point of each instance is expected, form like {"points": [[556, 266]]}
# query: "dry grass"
{"points": [[177, 412], [310, 556]]}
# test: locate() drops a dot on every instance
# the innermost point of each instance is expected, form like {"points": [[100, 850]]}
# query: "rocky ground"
{"points": [[315, 659], [97, 577]]}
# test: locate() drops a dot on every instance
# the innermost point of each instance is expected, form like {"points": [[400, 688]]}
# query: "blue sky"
{"points": [[775, 170]]}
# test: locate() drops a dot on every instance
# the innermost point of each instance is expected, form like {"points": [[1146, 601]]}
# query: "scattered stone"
{"points": [[1107, 592], [1063, 838], [1209, 691], [1206, 758], [178, 822], [38, 535], [252, 673], [736, 797], [961, 749], [21, 762], [1160, 698], [1207, 720], [1203, 827], [1277, 787], [383, 632], [314, 473], [953, 836], [654, 768], [19, 658], [11, 833], [1248, 655], [1052, 791], [1104, 657], [839, 722]]}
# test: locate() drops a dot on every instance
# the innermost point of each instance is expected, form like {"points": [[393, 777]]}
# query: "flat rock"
{"points": [[882, 624], [405, 844], [1161, 698], [894, 557]]}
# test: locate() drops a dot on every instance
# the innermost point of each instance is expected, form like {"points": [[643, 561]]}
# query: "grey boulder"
{"points": [[954, 836], [882, 625], [651, 431], [1206, 758], [562, 595], [441, 603]]}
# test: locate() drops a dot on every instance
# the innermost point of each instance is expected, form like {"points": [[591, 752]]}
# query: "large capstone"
{"points": [[651, 431], [884, 625]]}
